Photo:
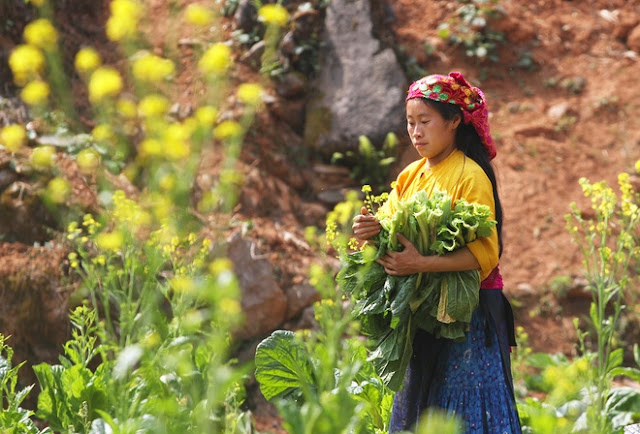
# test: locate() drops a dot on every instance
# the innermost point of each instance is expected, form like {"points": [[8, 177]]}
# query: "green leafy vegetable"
{"points": [[393, 308]]}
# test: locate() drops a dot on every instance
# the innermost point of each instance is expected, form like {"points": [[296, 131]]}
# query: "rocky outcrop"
{"points": [[360, 88]]}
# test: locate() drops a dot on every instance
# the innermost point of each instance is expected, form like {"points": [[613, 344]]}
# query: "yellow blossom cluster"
{"points": [[124, 19], [13, 137], [58, 189], [35, 92], [129, 212], [41, 33], [88, 161], [105, 82], [87, 60], [42, 157], [149, 68], [275, 14], [250, 94], [198, 15], [27, 63], [216, 60]]}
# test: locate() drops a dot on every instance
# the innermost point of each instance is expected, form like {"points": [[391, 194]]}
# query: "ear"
{"points": [[455, 122]]}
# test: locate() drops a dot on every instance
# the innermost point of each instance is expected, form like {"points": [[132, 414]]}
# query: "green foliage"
{"points": [[580, 394], [370, 166], [321, 380], [392, 308], [470, 28], [13, 418]]}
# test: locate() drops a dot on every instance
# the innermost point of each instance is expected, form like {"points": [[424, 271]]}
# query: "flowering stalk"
{"points": [[609, 248]]}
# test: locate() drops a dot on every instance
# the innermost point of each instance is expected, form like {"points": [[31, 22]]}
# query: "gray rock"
{"points": [[360, 89], [263, 302], [299, 297]]}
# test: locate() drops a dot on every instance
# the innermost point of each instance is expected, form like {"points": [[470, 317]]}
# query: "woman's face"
{"points": [[431, 135]]}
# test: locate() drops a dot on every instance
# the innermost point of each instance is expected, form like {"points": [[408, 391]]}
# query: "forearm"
{"points": [[459, 260]]}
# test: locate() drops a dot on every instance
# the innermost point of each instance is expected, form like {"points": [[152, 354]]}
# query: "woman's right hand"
{"points": [[365, 225]]}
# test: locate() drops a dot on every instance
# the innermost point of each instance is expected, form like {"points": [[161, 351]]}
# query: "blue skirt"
{"points": [[471, 379]]}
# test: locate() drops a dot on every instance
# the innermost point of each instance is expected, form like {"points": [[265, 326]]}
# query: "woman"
{"points": [[447, 121]]}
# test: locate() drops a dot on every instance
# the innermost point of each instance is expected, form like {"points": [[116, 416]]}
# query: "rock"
{"points": [[253, 57], [633, 41], [624, 26], [263, 302], [360, 89], [245, 16], [299, 297], [34, 291], [291, 85], [556, 111], [291, 111]]}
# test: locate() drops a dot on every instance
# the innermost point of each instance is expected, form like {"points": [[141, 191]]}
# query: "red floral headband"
{"points": [[454, 89]]}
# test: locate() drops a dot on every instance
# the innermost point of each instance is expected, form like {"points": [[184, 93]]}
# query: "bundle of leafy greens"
{"points": [[392, 308]]}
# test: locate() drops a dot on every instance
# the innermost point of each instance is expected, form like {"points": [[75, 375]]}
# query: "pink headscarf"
{"points": [[454, 89]]}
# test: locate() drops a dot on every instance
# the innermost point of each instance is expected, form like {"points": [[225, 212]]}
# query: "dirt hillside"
{"points": [[564, 101]]}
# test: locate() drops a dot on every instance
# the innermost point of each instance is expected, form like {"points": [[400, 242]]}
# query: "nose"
{"points": [[415, 131]]}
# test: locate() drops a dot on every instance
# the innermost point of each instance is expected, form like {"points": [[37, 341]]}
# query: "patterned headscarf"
{"points": [[454, 89]]}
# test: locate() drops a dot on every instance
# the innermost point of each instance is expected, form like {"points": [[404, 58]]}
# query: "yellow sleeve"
{"points": [[486, 250]]}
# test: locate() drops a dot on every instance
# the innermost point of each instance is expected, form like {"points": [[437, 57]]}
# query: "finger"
{"points": [[364, 210]]}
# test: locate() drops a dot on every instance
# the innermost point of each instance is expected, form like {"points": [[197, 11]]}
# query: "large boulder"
{"points": [[263, 302], [360, 88]]}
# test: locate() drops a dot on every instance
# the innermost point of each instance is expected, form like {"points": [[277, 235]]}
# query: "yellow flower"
{"points": [[102, 133], [35, 92], [206, 115], [26, 62], [220, 265], [150, 147], [227, 129], [58, 189], [127, 108], [88, 160], [230, 306], [167, 182], [104, 82], [250, 94], [198, 15], [274, 14], [637, 166], [153, 105], [123, 22], [109, 241], [38, 3], [182, 284], [151, 68], [176, 139], [87, 59], [42, 157], [216, 60], [13, 137], [41, 33]]}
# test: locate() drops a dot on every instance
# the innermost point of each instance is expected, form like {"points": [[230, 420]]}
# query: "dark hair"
{"points": [[469, 142]]}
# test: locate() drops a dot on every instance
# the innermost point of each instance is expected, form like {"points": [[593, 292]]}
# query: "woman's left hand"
{"points": [[408, 261]]}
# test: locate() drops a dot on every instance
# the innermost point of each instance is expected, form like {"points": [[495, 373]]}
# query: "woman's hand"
{"points": [[408, 261], [365, 226]]}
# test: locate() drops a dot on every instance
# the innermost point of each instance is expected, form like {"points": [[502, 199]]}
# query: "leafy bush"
{"points": [[470, 28]]}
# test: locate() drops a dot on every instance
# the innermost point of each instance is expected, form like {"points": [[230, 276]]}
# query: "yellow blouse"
{"points": [[461, 177]]}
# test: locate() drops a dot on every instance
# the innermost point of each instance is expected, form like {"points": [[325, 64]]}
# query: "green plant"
{"points": [[370, 166], [321, 380], [470, 28], [13, 418], [609, 247]]}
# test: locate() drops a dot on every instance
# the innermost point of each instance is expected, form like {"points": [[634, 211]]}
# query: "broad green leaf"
{"points": [[616, 357], [631, 373], [282, 365]]}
